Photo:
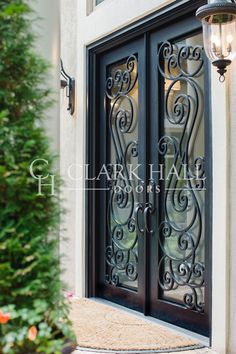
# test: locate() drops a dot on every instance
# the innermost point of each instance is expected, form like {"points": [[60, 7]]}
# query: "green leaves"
{"points": [[15, 9], [30, 286]]}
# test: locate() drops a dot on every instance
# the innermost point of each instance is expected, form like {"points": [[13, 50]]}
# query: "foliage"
{"points": [[33, 311]]}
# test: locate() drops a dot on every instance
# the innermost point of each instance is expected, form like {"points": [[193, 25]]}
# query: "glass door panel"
{"points": [[121, 149], [179, 124], [181, 149], [122, 112]]}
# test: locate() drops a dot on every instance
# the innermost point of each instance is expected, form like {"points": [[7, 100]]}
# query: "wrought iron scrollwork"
{"points": [[122, 82], [181, 228], [121, 249]]}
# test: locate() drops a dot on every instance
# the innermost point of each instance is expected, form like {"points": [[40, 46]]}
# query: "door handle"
{"points": [[138, 209], [149, 210], [146, 211], [150, 206]]}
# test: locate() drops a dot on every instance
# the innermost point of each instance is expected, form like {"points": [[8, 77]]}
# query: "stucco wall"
{"points": [[220, 213], [232, 201], [69, 144], [48, 45]]}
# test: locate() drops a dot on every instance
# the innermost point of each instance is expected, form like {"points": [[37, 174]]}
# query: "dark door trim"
{"points": [[176, 11]]}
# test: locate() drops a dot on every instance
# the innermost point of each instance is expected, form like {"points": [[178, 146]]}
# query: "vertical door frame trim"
{"points": [[220, 215]]}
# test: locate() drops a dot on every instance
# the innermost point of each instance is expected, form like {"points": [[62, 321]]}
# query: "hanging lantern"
{"points": [[219, 33]]}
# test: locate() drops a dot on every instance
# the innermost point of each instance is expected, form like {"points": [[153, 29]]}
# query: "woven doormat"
{"points": [[103, 328]]}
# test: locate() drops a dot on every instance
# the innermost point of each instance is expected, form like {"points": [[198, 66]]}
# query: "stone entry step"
{"points": [[196, 351]]}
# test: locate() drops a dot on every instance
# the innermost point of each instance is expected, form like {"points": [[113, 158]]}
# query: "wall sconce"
{"points": [[68, 83], [219, 33]]}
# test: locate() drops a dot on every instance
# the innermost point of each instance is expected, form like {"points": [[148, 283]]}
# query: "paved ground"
{"points": [[196, 351]]}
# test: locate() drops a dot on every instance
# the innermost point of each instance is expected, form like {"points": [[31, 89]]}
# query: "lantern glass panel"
{"points": [[219, 34]]}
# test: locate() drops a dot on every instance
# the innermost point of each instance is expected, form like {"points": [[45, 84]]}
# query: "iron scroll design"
{"points": [[121, 246], [181, 267]]}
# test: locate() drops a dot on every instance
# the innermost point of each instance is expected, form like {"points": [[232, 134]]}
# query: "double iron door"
{"points": [[153, 185]]}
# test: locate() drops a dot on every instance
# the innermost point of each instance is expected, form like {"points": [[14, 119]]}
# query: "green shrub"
{"points": [[30, 286]]}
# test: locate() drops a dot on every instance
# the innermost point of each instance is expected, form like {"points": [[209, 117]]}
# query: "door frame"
{"points": [[176, 11]]}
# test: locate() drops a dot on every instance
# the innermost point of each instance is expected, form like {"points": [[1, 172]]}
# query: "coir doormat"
{"points": [[105, 329]]}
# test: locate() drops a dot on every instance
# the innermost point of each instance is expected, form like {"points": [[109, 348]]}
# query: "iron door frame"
{"points": [[177, 11], [121, 295], [161, 308]]}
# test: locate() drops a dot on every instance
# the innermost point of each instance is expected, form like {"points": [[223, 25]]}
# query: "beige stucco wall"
{"points": [[220, 213], [48, 45], [69, 144], [232, 201]]}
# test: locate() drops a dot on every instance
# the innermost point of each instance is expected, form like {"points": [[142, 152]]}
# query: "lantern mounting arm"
{"points": [[69, 83]]}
